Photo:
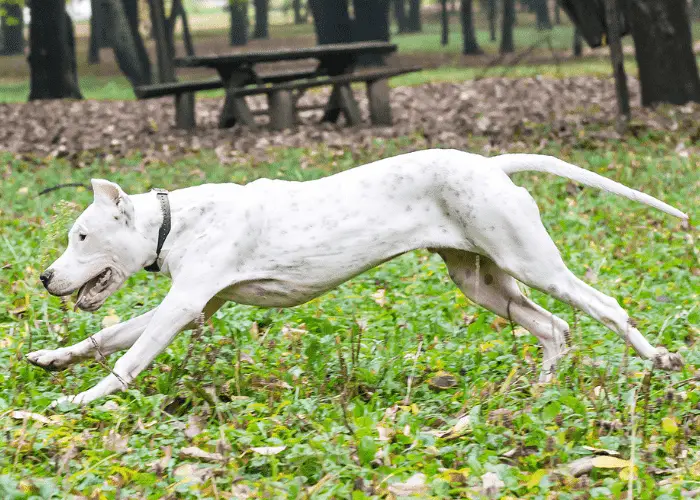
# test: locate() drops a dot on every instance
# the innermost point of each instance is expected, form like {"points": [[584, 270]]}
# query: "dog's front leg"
{"points": [[105, 342], [179, 308]]}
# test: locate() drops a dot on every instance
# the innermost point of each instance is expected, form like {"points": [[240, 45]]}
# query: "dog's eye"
{"points": [[82, 236]]}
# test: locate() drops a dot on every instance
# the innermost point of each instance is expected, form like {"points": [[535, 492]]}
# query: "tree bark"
{"points": [[298, 19], [577, 43], [331, 21], [542, 14], [53, 73], [668, 71], [507, 26], [179, 11], [12, 29], [471, 46], [414, 21], [238, 34], [400, 15], [445, 18], [623, 98], [557, 13], [371, 24], [493, 15], [97, 31], [165, 49], [126, 41], [261, 19]]}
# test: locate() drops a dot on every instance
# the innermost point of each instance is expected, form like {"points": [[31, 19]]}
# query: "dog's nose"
{"points": [[46, 277]]}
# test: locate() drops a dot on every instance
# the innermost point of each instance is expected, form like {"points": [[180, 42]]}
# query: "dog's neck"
{"points": [[149, 218]]}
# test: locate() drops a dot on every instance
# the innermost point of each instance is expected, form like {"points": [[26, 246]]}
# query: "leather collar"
{"points": [[164, 227]]}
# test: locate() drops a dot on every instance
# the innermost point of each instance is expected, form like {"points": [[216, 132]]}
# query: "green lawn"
{"points": [[327, 381]]}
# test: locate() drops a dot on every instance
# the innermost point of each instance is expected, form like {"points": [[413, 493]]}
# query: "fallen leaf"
{"points": [[442, 380], [192, 473], [200, 454], [607, 462], [535, 478], [194, 426], [380, 297], [601, 451], [114, 441], [110, 320], [22, 415], [159, 466], [491, 484], [415, 485], [268, 450], [669, 425]]}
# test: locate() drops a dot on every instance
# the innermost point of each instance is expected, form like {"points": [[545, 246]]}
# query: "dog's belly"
{"points": [[273, 293]]}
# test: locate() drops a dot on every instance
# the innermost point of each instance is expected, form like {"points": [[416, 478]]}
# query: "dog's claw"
{"points": [[669, 361]]}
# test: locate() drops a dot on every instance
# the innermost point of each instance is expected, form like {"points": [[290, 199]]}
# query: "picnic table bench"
{"points": [[238, 75]]}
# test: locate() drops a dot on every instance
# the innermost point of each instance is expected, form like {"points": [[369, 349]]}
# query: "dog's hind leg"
{"points": [[520, 245], [105, 342], [487, 285]]}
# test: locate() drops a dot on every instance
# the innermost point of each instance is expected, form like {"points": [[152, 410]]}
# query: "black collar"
{"points": [[164, 227]]}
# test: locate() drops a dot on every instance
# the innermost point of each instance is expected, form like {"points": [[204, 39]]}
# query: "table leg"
{"points": [[235, 108], [281, 107], [379, 103], [342, 100], [185, 117]]}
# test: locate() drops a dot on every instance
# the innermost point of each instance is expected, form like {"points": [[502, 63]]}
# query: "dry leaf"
{"points": [[159, 466], [110, 320], [195, 423], [491, 484], [22, 415], [601, 451], [114, 441], [607, 462], [268, 450], [415, 485], [442, 380], [192, 473], [200, 454], [380, 297]]}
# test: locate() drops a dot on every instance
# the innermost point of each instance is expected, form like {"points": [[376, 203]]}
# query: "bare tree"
{"points": [[125, 39]]}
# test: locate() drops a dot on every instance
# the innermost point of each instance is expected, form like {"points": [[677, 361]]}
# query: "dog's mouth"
{"points": [[89, 294]]}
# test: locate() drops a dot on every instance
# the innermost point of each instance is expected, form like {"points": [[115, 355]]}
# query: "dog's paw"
{"points": [[50, 359], [670, 361]]}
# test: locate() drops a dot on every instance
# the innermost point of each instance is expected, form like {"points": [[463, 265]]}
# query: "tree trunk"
{"points": [[557, 13], [126, 41], [493, 15], [331, 21], [12, 29], [542, 14], [52, 53], [668, 71], [445, 18], [400, 15], [577, 43], [165, 49], [612, 19], [298, 19], [507, 26], [471, 46], [414, 21], [179, 11], [97, 31], [371, 23], [238, 34], [261, 19]]}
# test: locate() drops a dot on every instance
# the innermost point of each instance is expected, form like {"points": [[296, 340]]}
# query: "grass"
{"points": [[328, 381]]}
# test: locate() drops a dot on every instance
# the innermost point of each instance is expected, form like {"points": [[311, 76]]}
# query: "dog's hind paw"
{"points": [[50, 359], [670, 361]]}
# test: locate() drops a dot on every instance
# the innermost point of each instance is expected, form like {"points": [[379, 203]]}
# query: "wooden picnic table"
{"points": [[335, 66]]}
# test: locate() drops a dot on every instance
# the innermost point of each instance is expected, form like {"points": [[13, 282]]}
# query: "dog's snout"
{"points": [[46, 277]]}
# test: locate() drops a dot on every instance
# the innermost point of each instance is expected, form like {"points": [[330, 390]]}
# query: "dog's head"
{"points": [[104, 249]]}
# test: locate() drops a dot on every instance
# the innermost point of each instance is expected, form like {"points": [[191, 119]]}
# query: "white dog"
{"points": [[276, 243]]}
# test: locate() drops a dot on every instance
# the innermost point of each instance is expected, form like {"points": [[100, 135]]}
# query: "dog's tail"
{"points": [[511, 163]]}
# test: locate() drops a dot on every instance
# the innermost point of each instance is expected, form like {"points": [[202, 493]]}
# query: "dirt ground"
{"points": [[509, 113]]}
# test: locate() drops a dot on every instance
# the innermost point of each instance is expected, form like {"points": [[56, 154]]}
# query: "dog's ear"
{"points": [[110, 194]]}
